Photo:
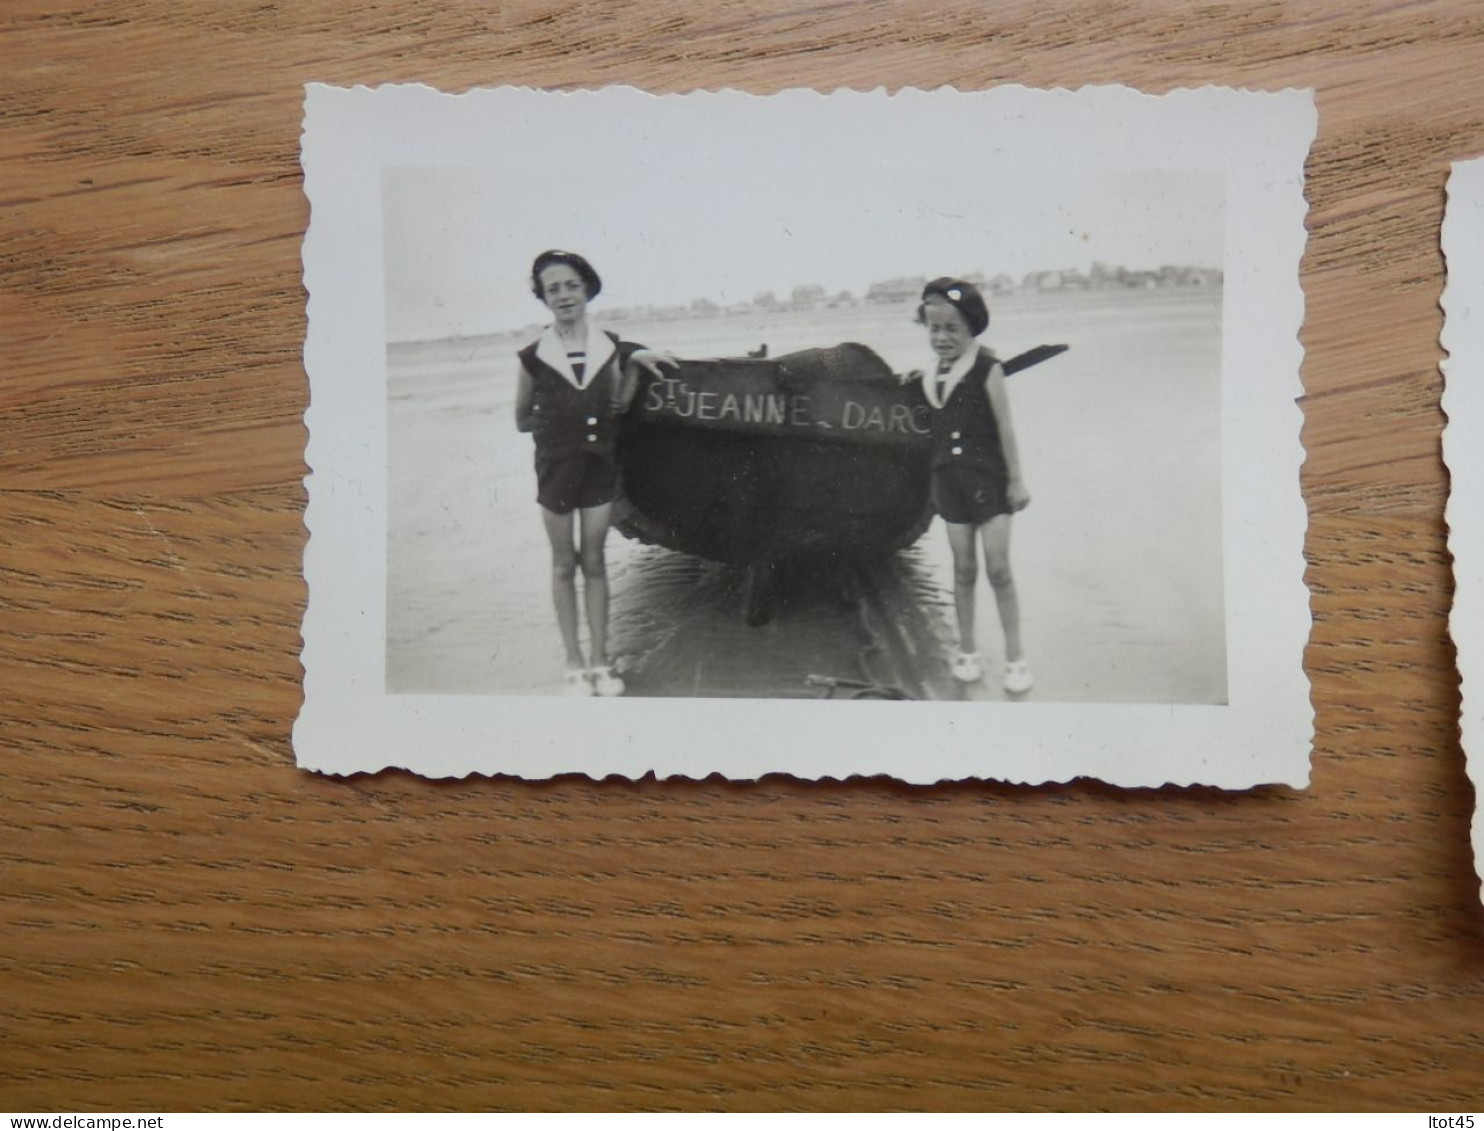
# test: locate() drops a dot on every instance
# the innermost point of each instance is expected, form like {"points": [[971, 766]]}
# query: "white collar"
{"points": [[598, 347], [955, 374]]}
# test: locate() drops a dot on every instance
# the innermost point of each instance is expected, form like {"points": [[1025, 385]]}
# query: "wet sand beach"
{"points": [[1117, 560]]}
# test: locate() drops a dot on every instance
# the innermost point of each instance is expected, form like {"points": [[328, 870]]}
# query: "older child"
{"points": [[574, 384], [976, 480]]}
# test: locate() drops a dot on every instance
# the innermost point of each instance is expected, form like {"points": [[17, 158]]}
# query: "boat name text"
{"points": [[670, 396]]}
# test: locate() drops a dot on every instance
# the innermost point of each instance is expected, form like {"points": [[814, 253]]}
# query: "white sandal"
{"points": [[965, 667], [606, 682], [1018, 678], [578, 684]]}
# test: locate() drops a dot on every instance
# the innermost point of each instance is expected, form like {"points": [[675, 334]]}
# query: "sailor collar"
{"points": [[951, 379], [598, 347]]}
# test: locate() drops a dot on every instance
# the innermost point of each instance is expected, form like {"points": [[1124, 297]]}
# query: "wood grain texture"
{"points": [[187, 922]]}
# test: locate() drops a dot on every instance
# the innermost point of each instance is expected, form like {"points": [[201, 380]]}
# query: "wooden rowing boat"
{"points": [[818, 456]]}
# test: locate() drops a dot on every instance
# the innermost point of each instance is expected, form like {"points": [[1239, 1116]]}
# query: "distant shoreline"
{"points": [[1080, 298]]}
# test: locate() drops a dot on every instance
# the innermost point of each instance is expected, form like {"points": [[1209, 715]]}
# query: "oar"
{"points": [[1031, 357]]}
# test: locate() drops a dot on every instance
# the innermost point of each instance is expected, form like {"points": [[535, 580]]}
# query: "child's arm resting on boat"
{"points": [[525, 401], [653, 361], [994, 388], [631, 354]]}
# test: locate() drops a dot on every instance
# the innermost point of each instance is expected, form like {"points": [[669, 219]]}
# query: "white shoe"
{"points": [[1018, 678], [606, 682], [578, 683], [965, 667]]}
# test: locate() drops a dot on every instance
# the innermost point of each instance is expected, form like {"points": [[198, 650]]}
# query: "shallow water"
{"points": [[1117, 561]]}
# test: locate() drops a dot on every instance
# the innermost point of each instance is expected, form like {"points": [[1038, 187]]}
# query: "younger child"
{"points": [[976, 480]]}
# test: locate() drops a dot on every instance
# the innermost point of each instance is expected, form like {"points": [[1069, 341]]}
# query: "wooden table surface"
{"points": [[188, 922]]}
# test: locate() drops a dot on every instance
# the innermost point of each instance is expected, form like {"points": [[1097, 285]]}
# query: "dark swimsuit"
{"points": [[969, 478], [576, 431]]}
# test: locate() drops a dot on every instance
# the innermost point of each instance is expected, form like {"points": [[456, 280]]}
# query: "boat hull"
{"points": [[817, 455]]}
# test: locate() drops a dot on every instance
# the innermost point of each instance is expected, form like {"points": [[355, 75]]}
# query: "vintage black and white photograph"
{"points": [[972, 411]]}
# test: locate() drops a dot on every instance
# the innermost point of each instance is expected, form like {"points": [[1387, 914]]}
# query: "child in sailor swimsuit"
{"points": [[574, 384], [976, 481]]}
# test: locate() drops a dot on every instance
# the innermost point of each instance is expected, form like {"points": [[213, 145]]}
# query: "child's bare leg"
{"points": [[595, 522], [563, 581], [995, 535], [965, 579]]}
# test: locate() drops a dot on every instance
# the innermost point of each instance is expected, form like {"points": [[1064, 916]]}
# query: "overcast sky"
{"points": [[674, 199]]}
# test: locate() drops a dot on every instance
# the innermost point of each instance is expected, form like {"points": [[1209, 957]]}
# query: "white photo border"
{"points": [[349, 723], [1463, 450]]}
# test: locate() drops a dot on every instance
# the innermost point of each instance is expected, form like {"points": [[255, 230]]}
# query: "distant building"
{"points": [[896, 290], [1104, 276], [806, 296]]}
